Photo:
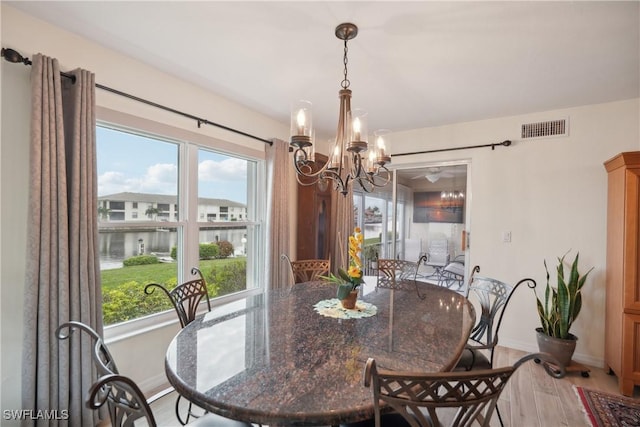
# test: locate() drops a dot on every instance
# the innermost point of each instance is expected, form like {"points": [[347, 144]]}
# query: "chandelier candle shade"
{"points": [[351, 157]]}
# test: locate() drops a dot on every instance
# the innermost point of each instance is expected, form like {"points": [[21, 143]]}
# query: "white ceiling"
{"points": [[413, 64]]}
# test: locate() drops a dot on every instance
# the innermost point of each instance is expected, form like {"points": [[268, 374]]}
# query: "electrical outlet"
{"points": [[506, 236]]}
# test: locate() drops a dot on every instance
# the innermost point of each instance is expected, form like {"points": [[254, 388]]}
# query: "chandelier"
{"points": [[351, 158], [451, 199]]}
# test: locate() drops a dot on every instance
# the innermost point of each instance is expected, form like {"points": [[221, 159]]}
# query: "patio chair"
{"points": [[452, 273], [397, 274], [186, 299], [102, 359], [493, 296], [436, 257], [307, 270], [421, 398]]}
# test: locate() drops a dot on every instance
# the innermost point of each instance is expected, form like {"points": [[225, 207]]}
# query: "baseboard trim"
{"points": [[160, 394], [156, 385], [532, 348]]}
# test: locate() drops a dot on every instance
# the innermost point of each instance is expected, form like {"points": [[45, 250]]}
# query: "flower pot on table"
{"points": [[350, 301]]}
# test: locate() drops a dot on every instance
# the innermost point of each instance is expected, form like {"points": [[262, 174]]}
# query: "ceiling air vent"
{"points": [[544, 129]]}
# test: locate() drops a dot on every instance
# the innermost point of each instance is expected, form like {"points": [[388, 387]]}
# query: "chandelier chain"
{"points": [[345, 81]]}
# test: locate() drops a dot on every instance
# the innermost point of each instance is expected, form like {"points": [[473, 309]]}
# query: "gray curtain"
{"points": [[63, 272], [278, 218], [342, 224]]}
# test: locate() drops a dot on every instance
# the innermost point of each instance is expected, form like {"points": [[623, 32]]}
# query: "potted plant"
{"points": [[561, 307], [349, 280]]}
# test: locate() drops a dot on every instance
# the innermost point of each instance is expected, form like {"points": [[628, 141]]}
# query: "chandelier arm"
{"points": [[356, 169], [306, 184], [300, 171], [370, 180], [387, 173], [344, 185], [365, 188], [332, 175]]}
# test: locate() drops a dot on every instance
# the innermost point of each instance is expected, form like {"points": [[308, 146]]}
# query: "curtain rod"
{"points": [[13, 56], [493, 146]]}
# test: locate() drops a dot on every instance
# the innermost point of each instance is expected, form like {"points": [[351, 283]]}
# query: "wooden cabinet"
{"points": [[314, 218], [622, 316]]}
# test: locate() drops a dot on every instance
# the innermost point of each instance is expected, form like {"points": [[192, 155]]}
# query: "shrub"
{"points": [[128, 301], [222, 249], [209, 250], [225, 248], [124, 299], [227, 279], [141, 260]]}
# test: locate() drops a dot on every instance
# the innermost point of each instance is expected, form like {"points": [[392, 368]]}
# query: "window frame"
{"points": [[385, 195], [188, 220]]}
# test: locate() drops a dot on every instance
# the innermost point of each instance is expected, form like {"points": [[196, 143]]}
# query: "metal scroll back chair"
{"points": [[126, 404], [437, 256], [493, 296], [307, 270], [185, 297], [124, 400], [398, 274], [102, 359], [425, 399]]}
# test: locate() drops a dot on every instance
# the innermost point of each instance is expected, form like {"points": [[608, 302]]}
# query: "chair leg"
{"points": [[189, 412], [180, 420], [499, 416]]}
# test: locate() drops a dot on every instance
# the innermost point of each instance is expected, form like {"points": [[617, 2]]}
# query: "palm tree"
{"points": [[103, 212], [152, 212]]}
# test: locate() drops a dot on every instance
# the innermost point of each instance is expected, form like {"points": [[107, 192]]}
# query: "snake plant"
{"points": [[563, 303]]}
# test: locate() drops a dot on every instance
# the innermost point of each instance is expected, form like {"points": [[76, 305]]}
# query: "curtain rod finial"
{"points": [[11, 55]]}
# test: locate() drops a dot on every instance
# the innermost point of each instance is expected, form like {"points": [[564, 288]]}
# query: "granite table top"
{"points": [[273, 359]]}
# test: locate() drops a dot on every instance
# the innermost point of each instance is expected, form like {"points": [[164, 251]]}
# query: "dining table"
{"points": [[295, 357]]}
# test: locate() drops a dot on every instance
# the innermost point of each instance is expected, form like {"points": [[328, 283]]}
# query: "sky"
{"points": [[140, 164]]}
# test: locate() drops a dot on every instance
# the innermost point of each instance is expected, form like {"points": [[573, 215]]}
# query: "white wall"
{"points": [[550, 193]]}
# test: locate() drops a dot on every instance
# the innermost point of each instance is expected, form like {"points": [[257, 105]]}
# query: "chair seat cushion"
{"points": [[214, 420], [472, 359]]}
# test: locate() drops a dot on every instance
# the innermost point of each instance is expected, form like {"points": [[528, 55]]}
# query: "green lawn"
{"points": [[154, 273]]}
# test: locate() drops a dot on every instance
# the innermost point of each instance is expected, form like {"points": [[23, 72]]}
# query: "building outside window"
{"points": [[175, 231]]}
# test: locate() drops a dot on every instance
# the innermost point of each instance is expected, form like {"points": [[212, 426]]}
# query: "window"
{"points": [[223, 179], [146, 174]]}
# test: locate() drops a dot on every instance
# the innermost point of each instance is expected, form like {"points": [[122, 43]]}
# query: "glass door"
{"points": [[431, 217]]}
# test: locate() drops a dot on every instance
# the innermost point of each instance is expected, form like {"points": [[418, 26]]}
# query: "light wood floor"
{"points": [[531, 399]]}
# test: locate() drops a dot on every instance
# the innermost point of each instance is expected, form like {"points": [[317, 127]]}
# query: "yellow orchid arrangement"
{"points": [[350, 279]]}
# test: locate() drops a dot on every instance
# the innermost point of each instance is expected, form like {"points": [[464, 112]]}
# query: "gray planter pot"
{"points": [[561, 349]]}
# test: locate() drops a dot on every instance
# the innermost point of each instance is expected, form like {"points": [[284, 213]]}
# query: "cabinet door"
{"points": [[632, 240], [630, 354], [314, 217]]}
